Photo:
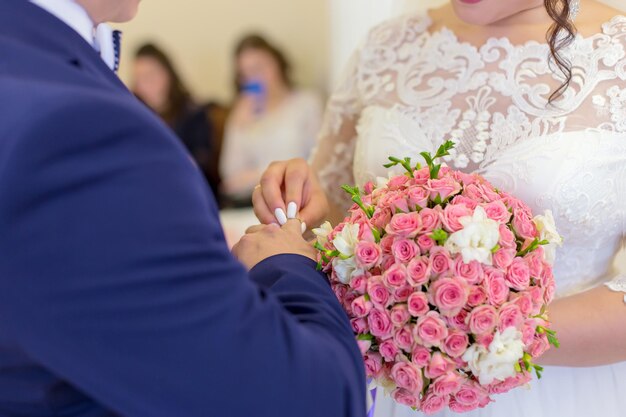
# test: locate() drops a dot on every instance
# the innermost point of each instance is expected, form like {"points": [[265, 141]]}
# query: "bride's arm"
{"points": [[591, 328]]}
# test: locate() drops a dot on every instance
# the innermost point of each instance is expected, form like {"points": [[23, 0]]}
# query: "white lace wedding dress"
{"points": [[407, 90]]}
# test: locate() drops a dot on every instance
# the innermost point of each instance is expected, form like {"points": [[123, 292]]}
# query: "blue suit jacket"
{"points": [[118, 295]]}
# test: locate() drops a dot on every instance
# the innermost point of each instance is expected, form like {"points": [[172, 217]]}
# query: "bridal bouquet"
{"points": [[446, 281]]}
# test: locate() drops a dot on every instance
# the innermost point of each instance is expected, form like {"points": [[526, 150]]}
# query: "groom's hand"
{"points": [[262, 242]]}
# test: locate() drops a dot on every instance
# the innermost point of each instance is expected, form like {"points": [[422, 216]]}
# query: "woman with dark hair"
{"points": [[157, 83], [533, 94], [270, 120]]}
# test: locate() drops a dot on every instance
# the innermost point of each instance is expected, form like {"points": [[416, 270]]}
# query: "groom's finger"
{"points": [[294, 226], [255, 228]]}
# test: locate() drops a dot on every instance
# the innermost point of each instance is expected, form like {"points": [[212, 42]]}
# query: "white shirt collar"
{"points": [[72, 14]]}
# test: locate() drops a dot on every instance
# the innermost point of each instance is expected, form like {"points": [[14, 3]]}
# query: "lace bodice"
{"points": [[407, 90]]}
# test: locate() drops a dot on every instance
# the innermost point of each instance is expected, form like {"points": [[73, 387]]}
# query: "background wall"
{"points": [[200, 35]]}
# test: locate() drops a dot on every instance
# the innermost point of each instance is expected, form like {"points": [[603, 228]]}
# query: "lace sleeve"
{"points": [[333, 156]]}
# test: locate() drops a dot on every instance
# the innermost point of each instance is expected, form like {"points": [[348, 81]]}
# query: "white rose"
{"points": [[546, 226], [322, 233], [476, 240], [498, 362], [345, 269], [345, 241]]}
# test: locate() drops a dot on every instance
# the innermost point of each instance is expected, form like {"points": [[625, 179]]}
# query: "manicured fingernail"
{"points": [[292, 210], [280, 216], [303, 227]]}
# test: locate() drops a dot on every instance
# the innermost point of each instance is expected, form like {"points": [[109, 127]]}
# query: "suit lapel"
{"points": [[26, 23]]}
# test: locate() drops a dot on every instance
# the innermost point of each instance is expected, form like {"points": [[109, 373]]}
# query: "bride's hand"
{"points": [[290, 189]]}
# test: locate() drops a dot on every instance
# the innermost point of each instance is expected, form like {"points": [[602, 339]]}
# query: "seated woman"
{"points": [[158, 85], [271, 120]]}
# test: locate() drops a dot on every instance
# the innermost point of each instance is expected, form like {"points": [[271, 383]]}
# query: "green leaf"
{"points": [[440, 236], [365, 336]]}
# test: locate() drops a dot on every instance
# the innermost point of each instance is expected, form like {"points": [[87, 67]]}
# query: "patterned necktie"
{"points": [[108, 42]]}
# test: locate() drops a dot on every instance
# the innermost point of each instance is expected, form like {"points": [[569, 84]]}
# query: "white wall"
{"points": [[200, 36]]}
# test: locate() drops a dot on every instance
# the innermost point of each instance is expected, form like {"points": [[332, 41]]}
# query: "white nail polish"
{"points": [[280, 216], [303, 227], [292, 210]]}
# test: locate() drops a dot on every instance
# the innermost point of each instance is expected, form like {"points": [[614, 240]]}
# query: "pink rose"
{"points": [[359, 284], [389, 350], [477, 296], [347, 301], [482, 320], [417, 197], [400, 315], [470, 394], [359, 325], [447, 384], [468, 202], [420, 356], [368, 188], [395, 276], [379, 295], [368, 254], [405, 397], [403, 338], [534, 260], [459, 408], [459, 321], [404, 250], [388, 262], [524, 302], [421, 176], [364, 346], [419, 271], [430, 330], [507, 238], [380, 323], [361, 307], [500, 387], [456, 344], [408, 376], [401, 295], [373, 364], [496, 286], [550, 292], [474, 193], [397, 182], [485, 340], [438, 366], [518, 275], [452, 214], [510, 316], [381, 217], [503, 258], [472, 272], [405, 224], [398, 204], [536, 296], [340, 290], [465, 179], [443, 188], [431, 219], [426, 243], [515, 204], [488, 191], [539, 346], [418, 304], [524, 225], [386, 243], [440, 260], [449, 295], [432, 404], [528, 331]]}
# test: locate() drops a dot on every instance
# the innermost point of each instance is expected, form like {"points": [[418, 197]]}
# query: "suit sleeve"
{"points": [[115, 276]]}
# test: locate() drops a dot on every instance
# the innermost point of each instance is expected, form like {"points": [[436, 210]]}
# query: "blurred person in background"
{"points": [[270, 120], [157, 83]]}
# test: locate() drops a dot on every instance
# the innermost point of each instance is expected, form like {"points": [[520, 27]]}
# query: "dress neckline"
{"points": [[448, 33]]}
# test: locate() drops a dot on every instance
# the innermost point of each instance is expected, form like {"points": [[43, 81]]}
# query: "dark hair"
{"points": [[560, 35], [179, 97], [258, 42]]}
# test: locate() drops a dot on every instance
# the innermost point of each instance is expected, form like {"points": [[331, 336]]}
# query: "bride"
{"points": [[543, 120]]}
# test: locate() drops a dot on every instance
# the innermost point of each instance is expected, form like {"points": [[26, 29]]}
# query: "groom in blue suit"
{"points": [[118, 294]]}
